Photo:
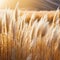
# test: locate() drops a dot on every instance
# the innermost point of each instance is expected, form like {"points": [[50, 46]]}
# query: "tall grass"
{"points": [[33, 40]]}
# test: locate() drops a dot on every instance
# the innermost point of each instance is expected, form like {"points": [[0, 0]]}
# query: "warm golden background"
{"points": [[31, 4]]}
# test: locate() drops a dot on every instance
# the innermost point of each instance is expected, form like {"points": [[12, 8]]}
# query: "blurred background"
{"points": [[31, 4]]}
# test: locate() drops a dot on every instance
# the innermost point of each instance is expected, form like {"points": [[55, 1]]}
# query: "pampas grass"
{"points": [[33, 38]]}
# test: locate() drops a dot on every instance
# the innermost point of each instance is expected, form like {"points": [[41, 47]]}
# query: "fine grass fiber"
{"points": [[29, 39]]}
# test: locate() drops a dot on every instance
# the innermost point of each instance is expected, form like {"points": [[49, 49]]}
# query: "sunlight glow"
{"points": [[7, 3], [2, 2]]}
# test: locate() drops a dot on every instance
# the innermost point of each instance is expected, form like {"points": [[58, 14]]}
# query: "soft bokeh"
{"points": [[31, 4]]}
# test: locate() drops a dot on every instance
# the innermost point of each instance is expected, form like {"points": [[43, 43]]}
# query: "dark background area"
{"points": [[40, 4]]}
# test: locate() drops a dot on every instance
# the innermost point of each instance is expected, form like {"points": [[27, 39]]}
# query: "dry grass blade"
{"points": [[29, 36]]}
